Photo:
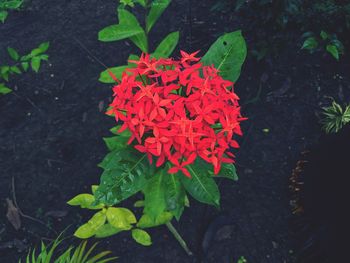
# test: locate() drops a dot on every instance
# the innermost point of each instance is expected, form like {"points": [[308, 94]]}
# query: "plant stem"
{"points": [[179, 238]]}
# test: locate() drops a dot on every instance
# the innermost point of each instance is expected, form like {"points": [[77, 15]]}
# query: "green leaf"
{"points": [[228, 170], [174, 194], [141, 2], [155, 203], [107, 230], [139, 203], [13, 53], [157, 8], [167, 46], [3, 15], [227, 54], [35, 63], [239, 4], [25, 66], [125, 173], [85, 201], [128, 19], [310, 43], [141, 237], [4, 90], [90, 228], [105, 76], [324, 35], [43, 47], [4, 72], [120, 218], [146, 221], [15, 69], [10, 4], [333, 50], [127, 3], [201, 186], [118, 142], [118, 32]]}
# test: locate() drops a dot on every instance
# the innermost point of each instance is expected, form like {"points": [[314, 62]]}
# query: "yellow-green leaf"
{"points": [[85, 201], [107, 230], [120, 218], [141, 237], [90, 228]]}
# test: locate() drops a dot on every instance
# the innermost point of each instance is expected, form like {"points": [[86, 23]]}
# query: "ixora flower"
{"points": [[177, 111]]}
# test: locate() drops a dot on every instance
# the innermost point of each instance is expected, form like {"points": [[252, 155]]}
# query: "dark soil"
{"points": [[51, 131]]}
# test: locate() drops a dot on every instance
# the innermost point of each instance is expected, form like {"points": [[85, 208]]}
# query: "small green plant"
{"points": [[22, 64], [6, 5], [79, 254], [323, 41], [130, 28], [335, 117], [242, 260], [110, 220]]}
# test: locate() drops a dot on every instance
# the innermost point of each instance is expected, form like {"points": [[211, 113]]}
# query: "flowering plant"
{"points": [[177, 121]]}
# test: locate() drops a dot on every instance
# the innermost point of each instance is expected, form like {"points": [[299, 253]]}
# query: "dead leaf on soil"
{"points": [[13, 214]]}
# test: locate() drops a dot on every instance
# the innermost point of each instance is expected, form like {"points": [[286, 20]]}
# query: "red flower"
{"points": [[178, 110]]}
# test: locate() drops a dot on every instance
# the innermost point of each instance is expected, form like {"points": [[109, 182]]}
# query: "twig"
{"points": [[179, 238], [23, 214], [89, 52]]}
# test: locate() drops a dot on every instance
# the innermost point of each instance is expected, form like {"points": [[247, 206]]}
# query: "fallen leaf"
{"points": [[13, 214]]}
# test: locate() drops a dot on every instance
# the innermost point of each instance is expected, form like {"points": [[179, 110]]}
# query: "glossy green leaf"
{"points": [[174, 195], [141, 237], [333, 50], [201, 186], [35, 63], [155, 203], [85, 201], [118, 32], [120, 218], [43, 47], [227, 54], [107, 230], [90, 228], [4, 90], [167, 46], [157, 9], [13, 53], [128, 19], [146, 221], [124, 175], [310, 43]]}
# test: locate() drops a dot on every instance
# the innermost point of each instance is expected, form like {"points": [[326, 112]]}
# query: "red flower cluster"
{"points": [[178, 110]]}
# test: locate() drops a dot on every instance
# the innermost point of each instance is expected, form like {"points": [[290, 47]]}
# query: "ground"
{"points": [[51, 130]]}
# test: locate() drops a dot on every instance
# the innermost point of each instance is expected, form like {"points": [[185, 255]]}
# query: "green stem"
{"points": [[179, 238]]}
